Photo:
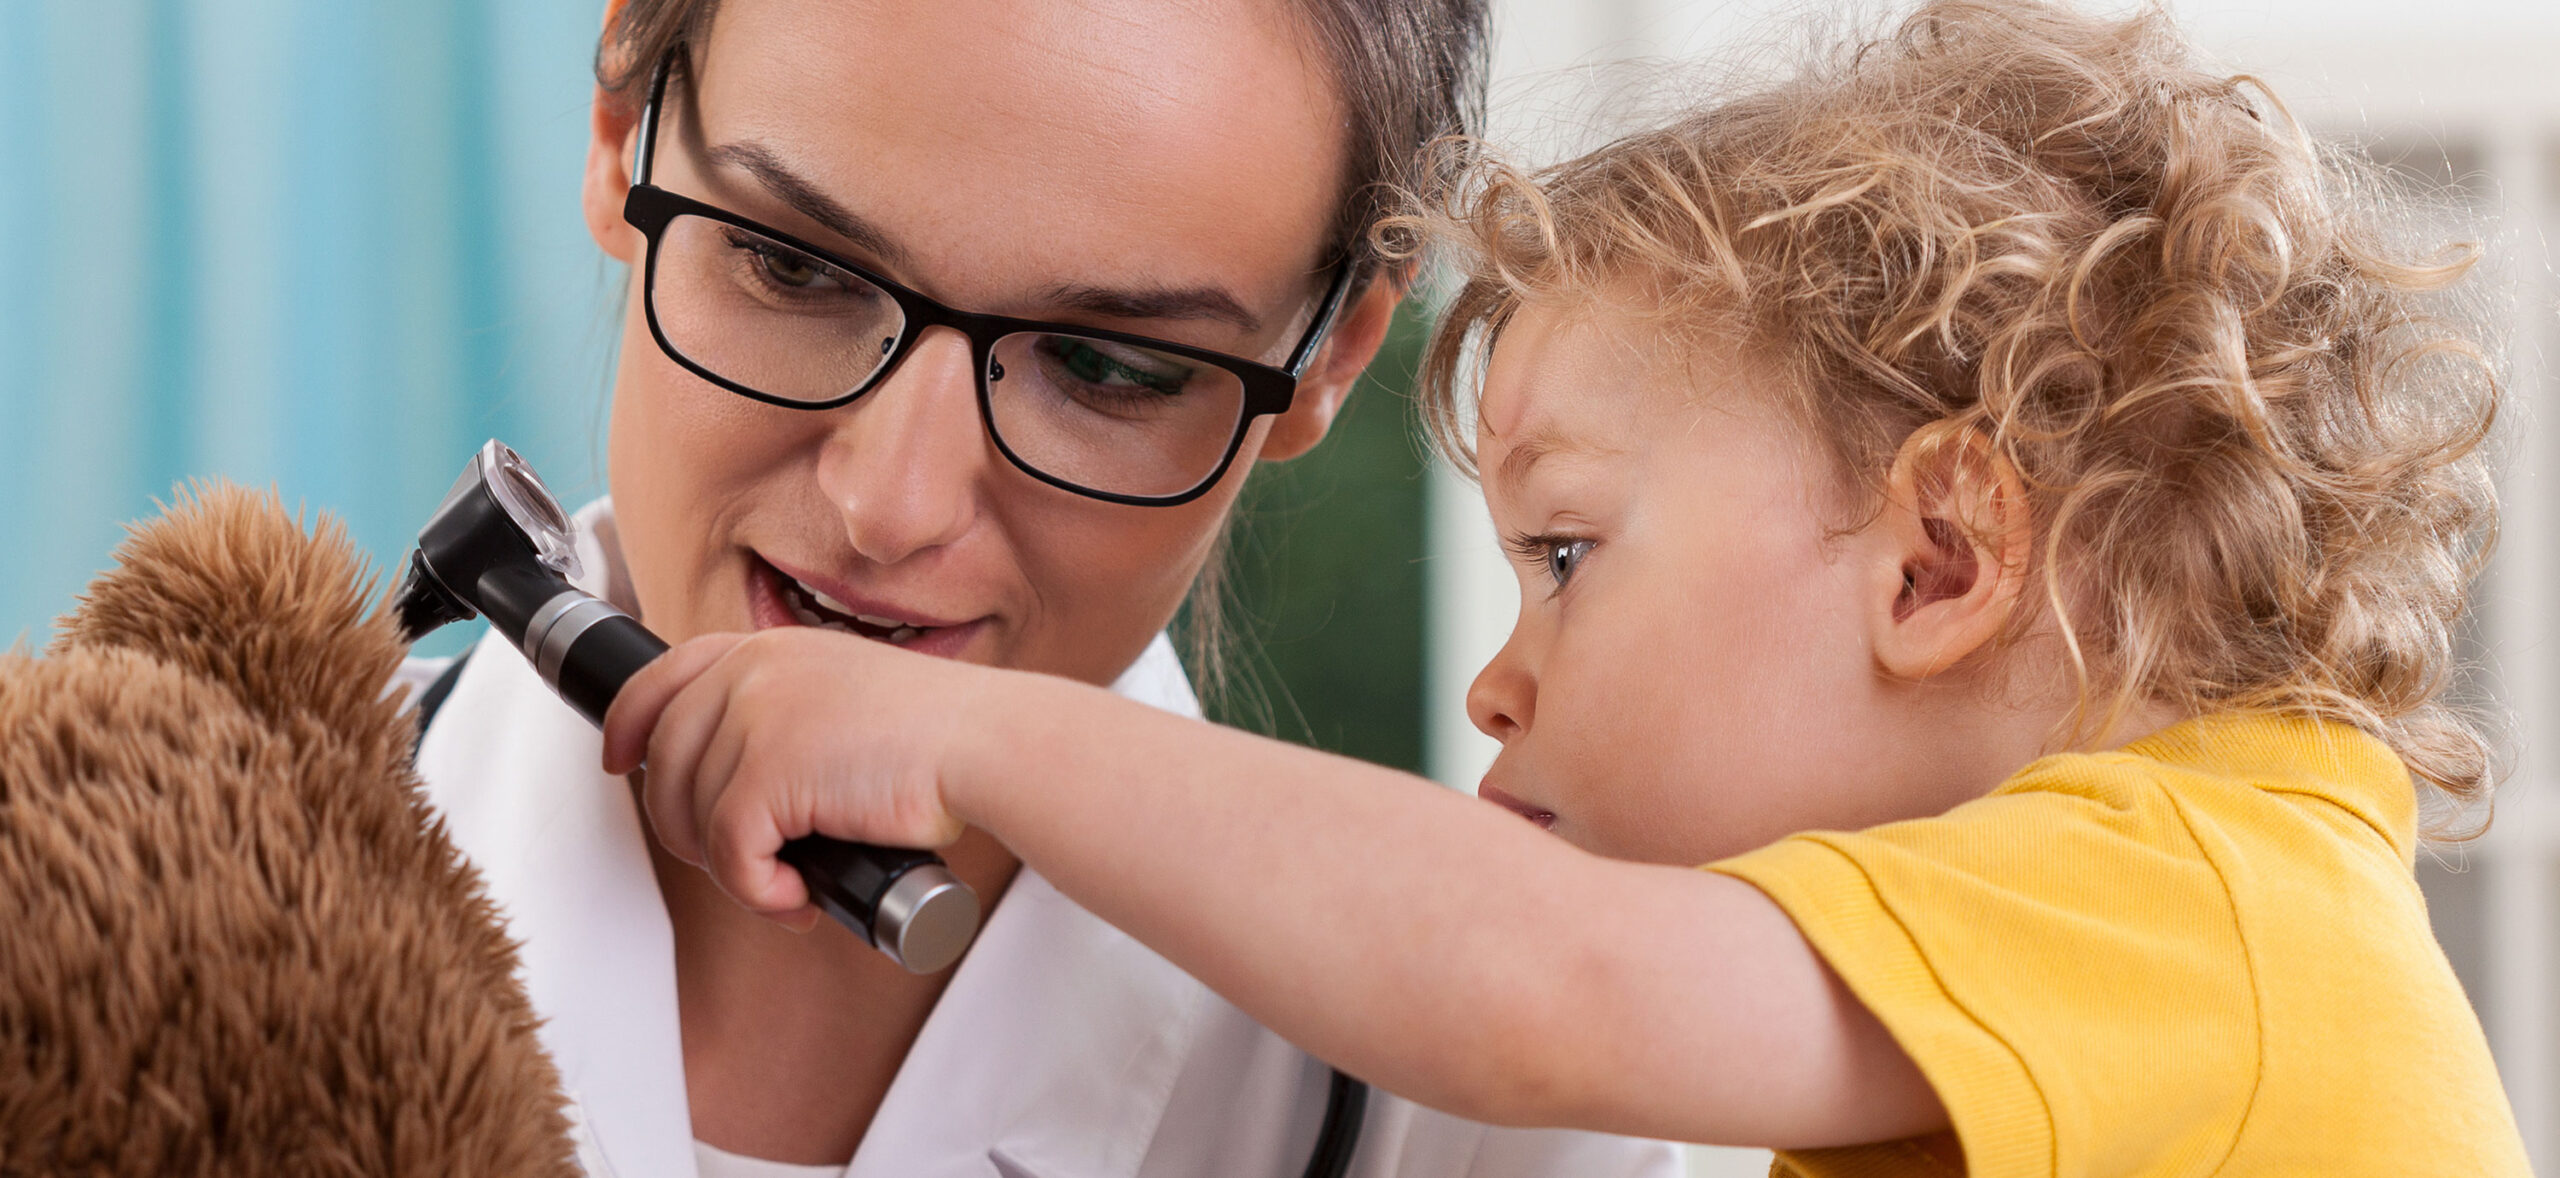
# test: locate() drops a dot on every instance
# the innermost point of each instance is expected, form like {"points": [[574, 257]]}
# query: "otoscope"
{"points": [[499, 546]]}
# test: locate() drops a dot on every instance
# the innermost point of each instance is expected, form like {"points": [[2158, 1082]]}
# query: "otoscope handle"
{"points": [[903, 902], [906, 903]]}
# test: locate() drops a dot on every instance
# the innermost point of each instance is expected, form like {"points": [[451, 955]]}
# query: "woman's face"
{"points": [[1163, 169]]}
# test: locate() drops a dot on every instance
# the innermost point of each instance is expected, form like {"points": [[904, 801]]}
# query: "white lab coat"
{"points": [[1062, 1048]]}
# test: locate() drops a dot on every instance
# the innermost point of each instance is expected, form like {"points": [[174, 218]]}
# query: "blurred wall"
{"points": [[324, 245]]}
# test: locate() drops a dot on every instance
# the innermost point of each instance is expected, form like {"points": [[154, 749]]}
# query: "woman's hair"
{"points": [[2250, 434], [1411, 73]]}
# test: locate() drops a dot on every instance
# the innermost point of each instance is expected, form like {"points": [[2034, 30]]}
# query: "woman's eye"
{"points": [[786, 268], [791, 269], [1094, 363], [1563, 557]]}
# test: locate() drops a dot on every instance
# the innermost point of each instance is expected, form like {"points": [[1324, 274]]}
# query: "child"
{"points": [[1997, 501]]}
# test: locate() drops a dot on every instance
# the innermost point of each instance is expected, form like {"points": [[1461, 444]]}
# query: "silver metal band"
{"points": [[540, 624], [556, 627]]}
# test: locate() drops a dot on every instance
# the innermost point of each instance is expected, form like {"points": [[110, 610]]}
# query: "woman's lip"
{"points": [[856, 601], [1542, 819], [766, 610]]}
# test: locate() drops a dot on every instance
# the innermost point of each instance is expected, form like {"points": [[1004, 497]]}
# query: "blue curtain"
{"points": [[323, 245]]}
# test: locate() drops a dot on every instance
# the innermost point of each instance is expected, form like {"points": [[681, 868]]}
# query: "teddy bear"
{"points": [[237, 940]]}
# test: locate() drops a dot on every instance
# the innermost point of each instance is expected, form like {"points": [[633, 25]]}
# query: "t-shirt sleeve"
{"points": [[2061, 959]]}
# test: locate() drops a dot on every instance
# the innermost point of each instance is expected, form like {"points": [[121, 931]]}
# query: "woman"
{"points": [[816, 422]]}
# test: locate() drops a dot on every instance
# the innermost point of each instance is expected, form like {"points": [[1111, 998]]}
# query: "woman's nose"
{"points": [[905, 463], [1503, 699]]}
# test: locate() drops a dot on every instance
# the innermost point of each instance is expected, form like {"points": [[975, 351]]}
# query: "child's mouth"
{"points": [[1542, 819]]}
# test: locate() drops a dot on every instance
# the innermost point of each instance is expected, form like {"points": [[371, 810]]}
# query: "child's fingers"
{"points": [[742, 845], [714, 769], [634, 714], [685, 728]]}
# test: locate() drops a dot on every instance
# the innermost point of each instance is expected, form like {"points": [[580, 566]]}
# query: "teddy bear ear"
{"points": [[227, 585]]}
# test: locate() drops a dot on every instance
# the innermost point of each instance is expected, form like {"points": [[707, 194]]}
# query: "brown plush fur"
{"points": [[236, 940]]}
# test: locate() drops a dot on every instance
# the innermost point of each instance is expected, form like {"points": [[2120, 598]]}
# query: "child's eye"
{"points": [[1564, 557], [1558, 556]]}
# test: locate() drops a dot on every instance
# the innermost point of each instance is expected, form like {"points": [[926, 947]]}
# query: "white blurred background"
{"points": [[2463, 93]]}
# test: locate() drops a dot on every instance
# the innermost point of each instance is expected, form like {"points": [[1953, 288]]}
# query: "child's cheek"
{"points": [[1613, 724]]}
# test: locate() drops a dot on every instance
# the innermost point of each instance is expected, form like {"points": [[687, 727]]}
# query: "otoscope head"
{"points": [[498, 516]]}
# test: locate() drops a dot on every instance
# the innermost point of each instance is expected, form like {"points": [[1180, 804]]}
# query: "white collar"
{"points": [[1053, 1051]]}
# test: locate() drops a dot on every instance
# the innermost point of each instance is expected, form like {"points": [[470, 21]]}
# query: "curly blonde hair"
{"points": [[2250, 432]]}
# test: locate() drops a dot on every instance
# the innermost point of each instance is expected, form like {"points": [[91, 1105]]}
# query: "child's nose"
{"points": [[1501, 700]]}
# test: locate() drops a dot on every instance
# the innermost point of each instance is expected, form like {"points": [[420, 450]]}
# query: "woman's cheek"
{"points": [[1099, 588], [684, 466], [1102, 579]]}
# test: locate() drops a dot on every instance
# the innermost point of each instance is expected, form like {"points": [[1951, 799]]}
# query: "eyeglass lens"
{"points": [[1096, 413]]}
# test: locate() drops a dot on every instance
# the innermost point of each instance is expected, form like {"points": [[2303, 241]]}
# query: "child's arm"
{"points": [[1436, 946]]}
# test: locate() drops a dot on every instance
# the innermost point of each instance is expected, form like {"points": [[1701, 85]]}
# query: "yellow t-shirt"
{"points": [[2203, 953]]}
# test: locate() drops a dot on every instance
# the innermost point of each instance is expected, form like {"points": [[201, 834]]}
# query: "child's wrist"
{"points": [[999, 708]]}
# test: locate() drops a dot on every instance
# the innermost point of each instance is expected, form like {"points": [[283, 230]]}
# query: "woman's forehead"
{"points": [[1010, 146]]}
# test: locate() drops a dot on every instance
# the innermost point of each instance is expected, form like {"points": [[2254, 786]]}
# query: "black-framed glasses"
{"points": [[1119, 417]]}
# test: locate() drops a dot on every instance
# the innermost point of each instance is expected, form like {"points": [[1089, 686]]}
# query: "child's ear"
{"points": [[1955, 534], [1345, 353]]}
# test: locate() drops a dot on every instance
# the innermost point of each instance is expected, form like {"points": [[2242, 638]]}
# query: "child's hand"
{"points": [[753, 740]]}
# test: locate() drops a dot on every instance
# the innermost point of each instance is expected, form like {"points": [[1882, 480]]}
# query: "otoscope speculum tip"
{"points": [[424, 604]]}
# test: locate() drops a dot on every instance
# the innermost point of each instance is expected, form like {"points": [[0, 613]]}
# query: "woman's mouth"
{"points": [[777, 598], [1542, 819]]}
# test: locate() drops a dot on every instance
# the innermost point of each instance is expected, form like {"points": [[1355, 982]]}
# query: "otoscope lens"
{"points": [[529, 493], [530, 505]]}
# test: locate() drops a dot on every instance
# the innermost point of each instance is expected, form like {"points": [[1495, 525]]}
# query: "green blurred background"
{"points": [[1325, 616]]}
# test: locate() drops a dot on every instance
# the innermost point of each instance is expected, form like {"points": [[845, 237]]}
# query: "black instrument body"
{"points": [[499, 547]]}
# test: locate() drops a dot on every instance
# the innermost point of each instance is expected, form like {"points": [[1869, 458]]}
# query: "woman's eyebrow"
{"points": [[1172, 303], [1188, 302], [797, 192]]}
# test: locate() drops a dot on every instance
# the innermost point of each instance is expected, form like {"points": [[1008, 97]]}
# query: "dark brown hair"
{"points": [[1411, 72]]}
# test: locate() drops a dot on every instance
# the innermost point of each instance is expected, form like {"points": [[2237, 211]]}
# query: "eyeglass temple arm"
{"points": [[1325, 313], [641, 160]]}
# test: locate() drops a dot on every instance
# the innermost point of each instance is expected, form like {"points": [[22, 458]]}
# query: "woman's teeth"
{"points": [[896, 632], [819, 596]]}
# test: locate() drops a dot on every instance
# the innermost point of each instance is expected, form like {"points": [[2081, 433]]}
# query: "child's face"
{"points": [[1691, 674]]}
